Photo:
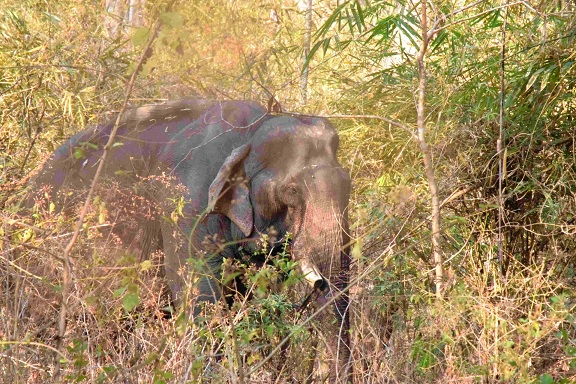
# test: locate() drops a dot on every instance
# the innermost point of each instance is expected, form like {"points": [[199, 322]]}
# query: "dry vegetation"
{"points": [[65, 65]]}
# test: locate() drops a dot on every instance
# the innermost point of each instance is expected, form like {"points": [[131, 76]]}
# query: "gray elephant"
{"points": [[242, 172]]}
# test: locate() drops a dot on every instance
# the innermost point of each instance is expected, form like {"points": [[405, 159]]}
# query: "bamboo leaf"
{"points": [[326, 44], [384, 28], [357, 20], [349, 22], [323, 30], [495, 20], [312, 52], [437, 42], [544, 80], [408, 30]]}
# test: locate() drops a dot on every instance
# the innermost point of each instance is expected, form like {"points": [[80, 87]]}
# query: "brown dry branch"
{"points": [[84, 211]]}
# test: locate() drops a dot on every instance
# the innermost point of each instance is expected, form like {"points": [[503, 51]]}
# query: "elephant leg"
{"points": [[191, 278], [173, 267], [208, 286]]}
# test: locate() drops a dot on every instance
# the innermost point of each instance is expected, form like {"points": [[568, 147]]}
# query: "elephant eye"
{"points": [[290, 195], [292, 190]]}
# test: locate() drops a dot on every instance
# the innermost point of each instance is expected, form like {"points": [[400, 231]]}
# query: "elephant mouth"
{"points": [[312, 275]]}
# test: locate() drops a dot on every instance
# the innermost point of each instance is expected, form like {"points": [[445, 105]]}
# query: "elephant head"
{"points": [[287, 177]]}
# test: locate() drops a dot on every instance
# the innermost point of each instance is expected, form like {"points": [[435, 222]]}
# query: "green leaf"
{"points": [[326, 45], [357, 21], [480, 17], [146, 265], [566, 66], [549, 70], [495, 20], [357, 250], [312, 52], [79, 153], [140, 36], [349, 22], [384, 28], [53, 18], [440, 38], [403, 24], [544, 80], [130, 301], [457, 219], [172, 19], [119, 292], [323, 30], [360, 14], [546, 379]]}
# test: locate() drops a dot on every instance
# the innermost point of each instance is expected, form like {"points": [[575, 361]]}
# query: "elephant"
{"points": [[241, 171]]}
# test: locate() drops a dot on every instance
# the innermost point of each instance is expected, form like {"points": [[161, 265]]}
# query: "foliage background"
{"points": [[65, 65]]}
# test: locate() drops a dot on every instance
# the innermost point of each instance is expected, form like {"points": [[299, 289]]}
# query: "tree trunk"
{"points": [[427, 157]]}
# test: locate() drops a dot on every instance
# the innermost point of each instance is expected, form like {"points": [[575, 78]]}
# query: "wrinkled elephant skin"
{"points": [[243, 172]]}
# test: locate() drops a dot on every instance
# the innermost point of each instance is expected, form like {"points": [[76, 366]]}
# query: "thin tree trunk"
{"points": [[307, 37], [426, 155]]}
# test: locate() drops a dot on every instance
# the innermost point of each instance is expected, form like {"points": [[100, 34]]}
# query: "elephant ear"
{"points": [[229, 193]]}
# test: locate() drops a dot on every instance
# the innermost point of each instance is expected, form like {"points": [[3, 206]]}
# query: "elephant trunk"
{"points": [[320, 250], [318, 243]]}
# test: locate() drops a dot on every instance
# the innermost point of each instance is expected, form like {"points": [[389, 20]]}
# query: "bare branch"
{"points": [[373, 117]]}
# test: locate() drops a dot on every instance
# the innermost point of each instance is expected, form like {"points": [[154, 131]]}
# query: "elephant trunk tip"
{"points": [[312, 275], [321, 285]]}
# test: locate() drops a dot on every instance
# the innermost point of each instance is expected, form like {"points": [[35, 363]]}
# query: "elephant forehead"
{"points": [[325, 178], [287, 127], [287, 139], [317, 131]]}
